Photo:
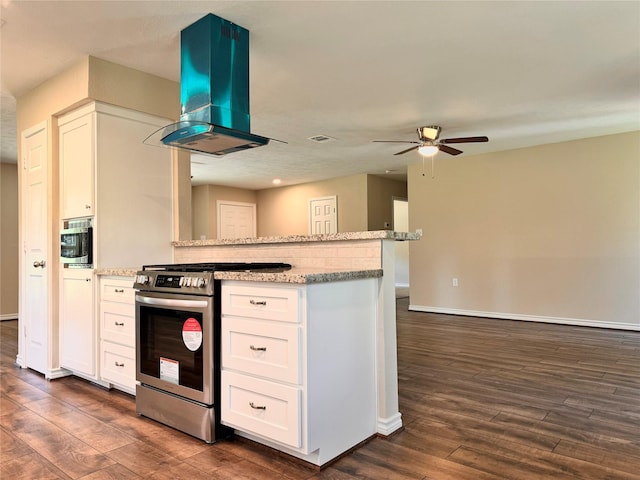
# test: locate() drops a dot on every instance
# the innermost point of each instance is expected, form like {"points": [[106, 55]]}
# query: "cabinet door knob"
{"points": [[258, 349], [87, 279], [258, 302], [257, 407]]}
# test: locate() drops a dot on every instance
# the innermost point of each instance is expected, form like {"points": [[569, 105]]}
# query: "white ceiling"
{"points": [[522, 73]]}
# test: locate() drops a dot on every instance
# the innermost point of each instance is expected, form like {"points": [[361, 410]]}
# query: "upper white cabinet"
{"points": [[106, 171], [77, 160]]}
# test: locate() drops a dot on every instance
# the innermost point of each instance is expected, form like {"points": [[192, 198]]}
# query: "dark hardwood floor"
{"points": [[481, 399]]}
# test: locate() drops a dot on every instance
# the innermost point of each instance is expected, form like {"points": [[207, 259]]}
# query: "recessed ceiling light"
{"points": [[276, 181]]}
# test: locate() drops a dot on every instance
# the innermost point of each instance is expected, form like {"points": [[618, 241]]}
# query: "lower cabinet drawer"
{"points": [[268, 303], [117, 323], [117, 290], [265, 349], [264, 408], [118, 364]]}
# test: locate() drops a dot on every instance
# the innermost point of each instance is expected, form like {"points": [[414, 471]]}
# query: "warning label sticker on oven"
{"points": [[192, 334], [170, 370]]}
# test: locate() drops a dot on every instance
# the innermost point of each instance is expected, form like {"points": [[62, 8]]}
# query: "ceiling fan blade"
{"points": [[395, 141], [464, 140], [407, 150], [449, 150]]}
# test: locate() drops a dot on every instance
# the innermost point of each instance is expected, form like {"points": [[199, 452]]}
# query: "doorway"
{"points": [[401, 224]]}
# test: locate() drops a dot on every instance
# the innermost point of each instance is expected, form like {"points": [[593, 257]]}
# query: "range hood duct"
{"points": [[214, 91]]}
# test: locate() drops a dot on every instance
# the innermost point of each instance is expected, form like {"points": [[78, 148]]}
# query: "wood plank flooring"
{"points": [[481, 399]]}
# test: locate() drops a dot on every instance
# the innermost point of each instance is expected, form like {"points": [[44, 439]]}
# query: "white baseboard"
{"points": [[52, 374], [528, 318], [8, 316], [386, 426]]}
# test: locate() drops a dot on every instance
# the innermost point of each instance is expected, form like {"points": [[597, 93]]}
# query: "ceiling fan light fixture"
{"points": [[428, 150], [430, 133]]}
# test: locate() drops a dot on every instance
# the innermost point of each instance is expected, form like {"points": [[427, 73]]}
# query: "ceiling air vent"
{"points": [[321, 138]]}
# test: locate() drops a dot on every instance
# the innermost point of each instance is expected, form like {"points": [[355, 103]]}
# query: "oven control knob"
{"points": [[187, 281], [202, 282], [142, 279]]}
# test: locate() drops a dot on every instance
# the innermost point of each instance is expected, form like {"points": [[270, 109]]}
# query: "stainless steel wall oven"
{"points": [[76, 243], [178, 345]]}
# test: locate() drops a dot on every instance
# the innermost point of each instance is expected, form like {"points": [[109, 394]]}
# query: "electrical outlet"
{"points": [[454, 282]]}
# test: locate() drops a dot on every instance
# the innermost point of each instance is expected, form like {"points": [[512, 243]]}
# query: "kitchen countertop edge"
{"points": [[334, 237], [299, 277], [289, 276], [117, 272]]}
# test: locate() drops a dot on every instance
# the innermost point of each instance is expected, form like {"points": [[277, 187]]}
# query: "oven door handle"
{"points": [[170, 302]]}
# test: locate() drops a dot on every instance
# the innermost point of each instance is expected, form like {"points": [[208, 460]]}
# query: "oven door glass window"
{"points": [[171, 346]]}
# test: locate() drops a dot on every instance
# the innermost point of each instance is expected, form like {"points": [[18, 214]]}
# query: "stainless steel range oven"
{"points": [[177, 344]]}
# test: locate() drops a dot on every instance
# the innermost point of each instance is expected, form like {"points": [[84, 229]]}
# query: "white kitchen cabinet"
{"points": [[77, 160], [77, 322], [108, 173], [298, 365], [117, 333]]}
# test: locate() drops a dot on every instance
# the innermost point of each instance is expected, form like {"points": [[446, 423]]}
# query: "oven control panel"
{"points": [[199, 283], [169, 281]]}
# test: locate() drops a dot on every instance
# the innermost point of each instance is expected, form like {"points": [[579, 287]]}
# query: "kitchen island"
{"points": [[326, 258]]}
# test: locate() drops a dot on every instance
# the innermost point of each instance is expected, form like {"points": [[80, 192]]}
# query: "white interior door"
{"points": [[36, 237], [323, 215], [236, 219]]}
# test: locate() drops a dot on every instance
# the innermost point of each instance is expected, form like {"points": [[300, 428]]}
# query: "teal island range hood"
{"points": [[214, 91]]}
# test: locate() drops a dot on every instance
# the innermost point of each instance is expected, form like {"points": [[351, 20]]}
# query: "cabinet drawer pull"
{"points": [[258, 349], [119, 364], [119, 324], [88, 207], [119, 290], [257, 407], [258, 302]]}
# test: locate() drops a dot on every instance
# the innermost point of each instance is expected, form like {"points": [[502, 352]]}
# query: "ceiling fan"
{"points": [[429, 144]]}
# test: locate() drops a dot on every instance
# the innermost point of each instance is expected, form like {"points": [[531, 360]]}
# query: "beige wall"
{"points": [[546, 233], [285, 210], [365, 202], [133, 89], [204, 206], [8, 240], [380, 194]]}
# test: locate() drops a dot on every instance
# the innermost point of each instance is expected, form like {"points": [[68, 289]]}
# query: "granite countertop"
{"points": [[117, 272], [295, 275], [334, 237], [299, 275]]}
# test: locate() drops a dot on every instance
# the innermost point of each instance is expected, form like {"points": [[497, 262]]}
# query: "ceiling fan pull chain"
{"points": [[433, 166], [423, 166]]}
